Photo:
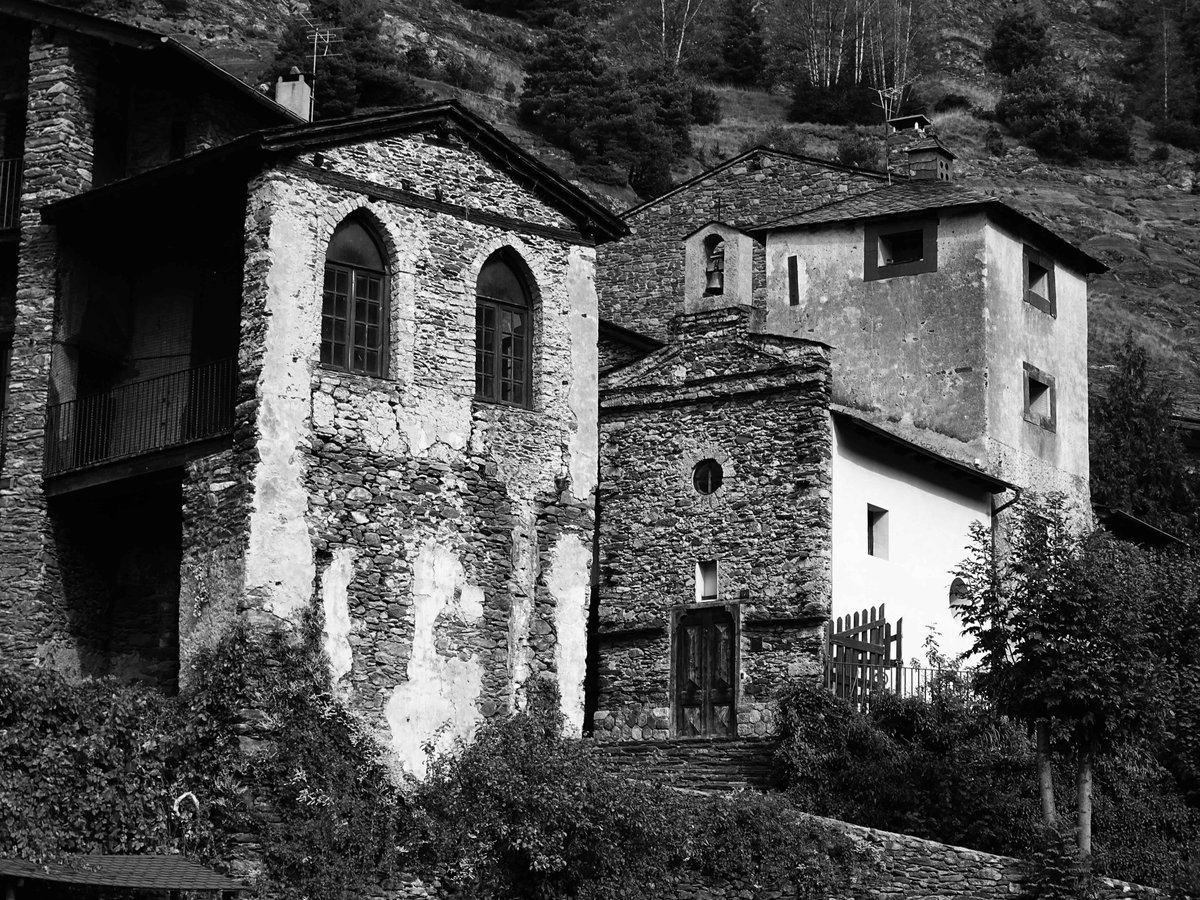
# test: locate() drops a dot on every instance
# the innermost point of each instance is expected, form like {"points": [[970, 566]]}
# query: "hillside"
{"points": [[1141, 217]]}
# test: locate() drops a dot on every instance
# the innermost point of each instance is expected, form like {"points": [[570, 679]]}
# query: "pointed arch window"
{"points": [[354, 313], [503, 333]]}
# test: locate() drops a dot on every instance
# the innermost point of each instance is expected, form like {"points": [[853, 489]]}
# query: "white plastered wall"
{"points": [[929, 515]]}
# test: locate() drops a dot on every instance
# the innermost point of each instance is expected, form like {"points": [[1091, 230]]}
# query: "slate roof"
{"points": [[165, 873], [927, 195], [246, 154], [142, 39]]}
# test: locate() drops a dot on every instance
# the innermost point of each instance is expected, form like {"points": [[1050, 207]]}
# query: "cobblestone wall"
{"points": [[446, 541], [759, 407], [641, 277]]}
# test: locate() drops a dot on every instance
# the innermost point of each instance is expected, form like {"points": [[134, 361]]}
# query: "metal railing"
{"points": [[860, 683], [10, 193], [142, 417]]}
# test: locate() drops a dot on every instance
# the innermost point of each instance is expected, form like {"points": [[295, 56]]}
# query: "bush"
{"points": [[706, 106], [464, 72], [993, 140], [1161, 153], [1018, 41], [777, 138], [523, 811], [1055, 117], [860, 150], [850, 104], [1181, 134], [952, 101]]}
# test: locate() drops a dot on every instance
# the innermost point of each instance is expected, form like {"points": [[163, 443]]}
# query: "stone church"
{"points": [[394, 370], [259, 365]]}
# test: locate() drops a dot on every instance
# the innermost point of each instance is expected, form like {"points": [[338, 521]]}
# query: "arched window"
{"points": [[354, 312], [714, 265], [503, 333]]}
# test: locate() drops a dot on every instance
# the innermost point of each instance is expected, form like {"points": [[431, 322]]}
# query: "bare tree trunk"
{"points": [[1083, 801], [1045, 773]]}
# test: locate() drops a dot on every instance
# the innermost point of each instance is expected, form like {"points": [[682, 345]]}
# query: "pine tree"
{"points": [[743, 55]]}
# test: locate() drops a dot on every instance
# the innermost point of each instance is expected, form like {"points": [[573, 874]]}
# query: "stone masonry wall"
{"points": [[58, 155], [767, 526], [641, 277], [447, 542]]}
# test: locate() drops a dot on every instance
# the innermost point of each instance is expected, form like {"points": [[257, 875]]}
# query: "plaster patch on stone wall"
{"points": [[279, 558], [437, 420], [380, 429], [582, 322], [568, 584], [524, 576], [438, 701], [335, 601]]}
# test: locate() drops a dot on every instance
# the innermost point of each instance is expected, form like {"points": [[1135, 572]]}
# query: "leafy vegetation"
{"points": [[365, 72], [1138, 463], [1018, 42], [950, 769]]}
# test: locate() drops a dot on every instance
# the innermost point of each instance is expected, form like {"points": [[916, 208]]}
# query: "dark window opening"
{"points": [[503, 334], [1040, 400], [877, 532], [354, 304], [793, 269], [1039, 281], [893, 249], [714, 265], [706, 580], [708, 476]]}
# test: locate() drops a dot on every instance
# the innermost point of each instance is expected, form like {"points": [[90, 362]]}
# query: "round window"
{"points": [[707, 476]]}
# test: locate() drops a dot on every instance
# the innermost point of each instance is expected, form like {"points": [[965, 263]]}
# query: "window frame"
{"points": [[1048, 303], [877, 531], [354, 272], [1033, 375], [714, 261], [874, 232], [498, 305]]}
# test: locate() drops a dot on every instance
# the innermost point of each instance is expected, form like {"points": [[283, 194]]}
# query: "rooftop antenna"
{"points": [[890, 99], [323, 40]]}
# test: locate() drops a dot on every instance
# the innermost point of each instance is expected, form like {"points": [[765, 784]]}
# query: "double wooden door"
{"points": [[704, 674]]}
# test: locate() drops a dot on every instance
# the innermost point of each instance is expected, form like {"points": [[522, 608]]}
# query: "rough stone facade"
{"points": [[758, 407]]}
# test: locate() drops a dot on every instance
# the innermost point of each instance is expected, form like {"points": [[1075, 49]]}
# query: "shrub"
{"points": [[952, 101], [1018, 41], [1059, 120], [418, 62], [1161, 153], [523, 811], [850, 104], [1181, 134], [777, 138], [464, 72], [861, 150], [993, 140], [706, 105]]}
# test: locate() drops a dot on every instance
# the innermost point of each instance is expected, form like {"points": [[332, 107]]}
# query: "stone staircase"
{"points": [[710, 764]]}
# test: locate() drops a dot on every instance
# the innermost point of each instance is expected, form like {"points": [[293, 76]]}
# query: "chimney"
{"points": [[930, 160], [293, 92]]}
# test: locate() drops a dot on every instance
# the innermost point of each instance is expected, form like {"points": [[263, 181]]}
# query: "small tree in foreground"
{"points": [[1064, 640]]}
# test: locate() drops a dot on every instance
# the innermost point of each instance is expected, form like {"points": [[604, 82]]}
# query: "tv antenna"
{"points": [[324, 41], [890, 98]]}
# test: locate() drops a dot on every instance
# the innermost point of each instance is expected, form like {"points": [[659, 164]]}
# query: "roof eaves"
{"points": [[81, 23], [231, 81], [990, 482]]}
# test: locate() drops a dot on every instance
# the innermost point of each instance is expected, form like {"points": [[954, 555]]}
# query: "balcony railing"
{"points": [[861, 682], [142, 417], [10, 193]]}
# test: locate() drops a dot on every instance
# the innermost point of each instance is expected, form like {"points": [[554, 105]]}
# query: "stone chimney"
{"points": [[930, 160], [293, 92]]}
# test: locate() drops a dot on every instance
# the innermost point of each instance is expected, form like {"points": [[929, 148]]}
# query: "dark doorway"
{"points": [[704, 673]]}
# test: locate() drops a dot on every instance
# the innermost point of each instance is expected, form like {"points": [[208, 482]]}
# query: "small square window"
{"points": [[1039, 281], [892, 249], [877, 531], [1040, 401], [706, 580]]}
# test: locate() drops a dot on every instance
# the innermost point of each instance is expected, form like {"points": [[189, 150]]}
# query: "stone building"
{"points": [[956, 332], [262, 366]]}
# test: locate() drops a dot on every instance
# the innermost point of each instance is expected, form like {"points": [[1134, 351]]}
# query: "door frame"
{"points": [[677, 614]]}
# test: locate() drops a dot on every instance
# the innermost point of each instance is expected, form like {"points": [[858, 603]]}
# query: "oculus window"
{"points": [[503, 333], [354, 312], [707, 476], [896, 248]]}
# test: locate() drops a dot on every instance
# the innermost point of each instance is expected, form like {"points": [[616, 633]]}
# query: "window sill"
{"points": [[478, 403], [324, 370], [1037, 301], [1043, 422]]}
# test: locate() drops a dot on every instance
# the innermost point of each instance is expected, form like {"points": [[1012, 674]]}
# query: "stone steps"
{"points": [[712, 764]]}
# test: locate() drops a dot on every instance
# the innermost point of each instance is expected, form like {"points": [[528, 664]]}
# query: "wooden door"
{"points": [[704, 680]]}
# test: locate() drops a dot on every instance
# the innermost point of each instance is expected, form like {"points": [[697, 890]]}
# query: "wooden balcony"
{"points": [[142, 419]]}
